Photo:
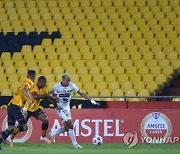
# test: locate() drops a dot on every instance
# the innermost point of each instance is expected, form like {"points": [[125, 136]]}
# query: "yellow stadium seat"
{"points": [[105, 92], [52, 4], [103, 63], [127, 63], [131, 70], [52, 56], [160, 55], [172, 35], [57, 16], [135, 56], [6, 92], [174, 3], [87, 56], [94, 70], [31, 63], [76, 56], [37, 49], [10, 70], [160, 79], [143, 92], [89, 63], [86, 78], [50, 85], [175, 42], [17, 56], [74, 78], [98, 78], [101, 85], [22, 70], [40, 56], [98, 29], [151, 63], [113, 85], [66, 63], [165, 41], [43, 63], [110, 78], [139, 85], [148, 78], [3, 76], [79, 63], [119, 70], [5, 56], [126, 85], [143, 70], [135, 78], [152, 86], [88, 85], [26, 49], [139, 63], [175, 64], [19, 63], [136, 35], [148, 35], [64, 56], [58, 70], [164, 63], [148, 55], [13, 78], [82, 71], [155, 70], [156, 48], [46, 70], [106, 70], [46, 42], [93, 92], [71, 70], [4, 85], [167, 70], [58, 42], [8, 63], [118, 92]]}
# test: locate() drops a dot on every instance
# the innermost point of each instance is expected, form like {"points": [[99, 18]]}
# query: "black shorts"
{"points": [[15, 114], [35, 114]]}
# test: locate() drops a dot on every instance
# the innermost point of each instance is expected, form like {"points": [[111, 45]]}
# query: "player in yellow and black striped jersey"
{"points": [[14, 108], [38, 92]]}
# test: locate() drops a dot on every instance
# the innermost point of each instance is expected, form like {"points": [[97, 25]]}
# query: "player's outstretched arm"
{"points": [[87, 97], [39, 96]]}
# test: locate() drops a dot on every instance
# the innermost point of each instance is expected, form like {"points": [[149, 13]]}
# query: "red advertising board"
{"points": [[111, 124]]}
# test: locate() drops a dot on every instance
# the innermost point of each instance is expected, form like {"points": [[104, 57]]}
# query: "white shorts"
{"points": [[65, 115]]}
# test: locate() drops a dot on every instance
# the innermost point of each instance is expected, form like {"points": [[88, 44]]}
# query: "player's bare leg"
{"points": [[68, 127], [42, 117]]}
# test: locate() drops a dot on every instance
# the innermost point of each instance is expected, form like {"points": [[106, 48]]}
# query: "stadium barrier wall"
{"points": [[111, 124]]}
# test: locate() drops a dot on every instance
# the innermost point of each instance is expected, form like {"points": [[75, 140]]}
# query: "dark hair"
{"points": [[31, 72], [42, 78]]}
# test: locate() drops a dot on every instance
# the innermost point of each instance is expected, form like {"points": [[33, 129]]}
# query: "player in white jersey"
{"points": [[63, 90]]}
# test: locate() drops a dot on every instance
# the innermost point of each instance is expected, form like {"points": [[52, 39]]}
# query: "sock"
{"points": [[44, 129], [59, 131], [72, 136], [6, 133], [16, 130]]}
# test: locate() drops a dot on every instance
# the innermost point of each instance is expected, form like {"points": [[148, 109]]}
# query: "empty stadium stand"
{"points": [[109, 47]]}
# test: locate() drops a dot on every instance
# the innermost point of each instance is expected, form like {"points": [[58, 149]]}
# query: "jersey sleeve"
{"points": [[75, 88], [28, 83]]}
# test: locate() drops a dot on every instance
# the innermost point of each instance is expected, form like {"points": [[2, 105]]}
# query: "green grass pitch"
{"points": [[59, 148]]}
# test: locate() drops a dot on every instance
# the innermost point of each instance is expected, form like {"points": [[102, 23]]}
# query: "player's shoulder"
{"points": [[72, 84], [28, 81], [57, 85]]}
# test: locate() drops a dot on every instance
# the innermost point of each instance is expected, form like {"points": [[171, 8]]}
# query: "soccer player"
{"points": [[14, 108], [38, 92], [63, 91]]}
